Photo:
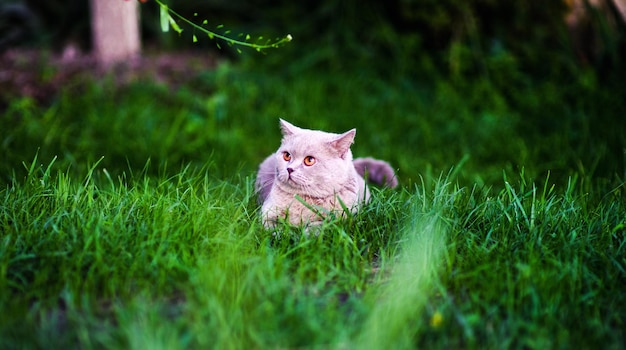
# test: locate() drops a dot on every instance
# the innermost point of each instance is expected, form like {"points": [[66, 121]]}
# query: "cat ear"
{"points": [[287, 128], [342, 143]]}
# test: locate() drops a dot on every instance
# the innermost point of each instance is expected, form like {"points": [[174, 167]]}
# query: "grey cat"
{"points": [[315, 167]]}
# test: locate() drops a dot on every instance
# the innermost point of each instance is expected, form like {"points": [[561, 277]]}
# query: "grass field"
{"points": [[128, 218]]}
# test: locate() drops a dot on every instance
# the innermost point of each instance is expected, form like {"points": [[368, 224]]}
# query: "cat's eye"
{"points": [[309, 160], [286, 156]]}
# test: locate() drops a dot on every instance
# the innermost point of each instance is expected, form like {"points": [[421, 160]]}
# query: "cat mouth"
{"points": [[292, 181], [288, 179]]}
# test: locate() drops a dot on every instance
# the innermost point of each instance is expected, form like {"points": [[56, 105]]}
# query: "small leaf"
{"points": [[205, 22], [165, 23], [175, 25], [195, 40]]}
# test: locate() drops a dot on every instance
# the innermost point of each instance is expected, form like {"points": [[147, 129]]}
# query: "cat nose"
{"points": [[289, 170]]}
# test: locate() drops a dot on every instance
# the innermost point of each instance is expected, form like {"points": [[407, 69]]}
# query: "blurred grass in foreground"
{"points": [[182, 261]]}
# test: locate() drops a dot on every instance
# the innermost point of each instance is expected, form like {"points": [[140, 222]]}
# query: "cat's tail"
{"points": [[376, 171]]}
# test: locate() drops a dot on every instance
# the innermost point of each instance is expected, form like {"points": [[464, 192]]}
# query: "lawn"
{"points": [[128, 217]]}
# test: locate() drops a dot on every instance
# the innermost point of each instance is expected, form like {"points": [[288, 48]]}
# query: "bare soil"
{"points": [[41, 74]]}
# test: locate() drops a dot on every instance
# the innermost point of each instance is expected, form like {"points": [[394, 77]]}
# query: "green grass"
{"points": [[229, 117], [128, 219], [183, 262]]}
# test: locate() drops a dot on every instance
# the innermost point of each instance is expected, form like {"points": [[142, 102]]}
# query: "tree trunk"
{"points": [[115, 31]]}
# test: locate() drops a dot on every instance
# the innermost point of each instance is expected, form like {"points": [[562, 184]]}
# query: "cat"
{"points": [[315, 167]]}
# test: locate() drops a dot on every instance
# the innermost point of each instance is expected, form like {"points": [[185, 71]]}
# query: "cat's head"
{"points": [[313, 162]]}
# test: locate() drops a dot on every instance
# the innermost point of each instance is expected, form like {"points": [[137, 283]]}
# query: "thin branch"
{"points": [[212, 35]]}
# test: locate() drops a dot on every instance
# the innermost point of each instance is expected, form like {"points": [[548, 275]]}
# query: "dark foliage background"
{"points": [[561, 88]]}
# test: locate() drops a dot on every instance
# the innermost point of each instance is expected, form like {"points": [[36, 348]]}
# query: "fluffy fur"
{"points": [[317, 168]]}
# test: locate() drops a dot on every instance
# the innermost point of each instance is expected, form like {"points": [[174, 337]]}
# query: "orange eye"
{"points": [[309, 160], [286, 156]]}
